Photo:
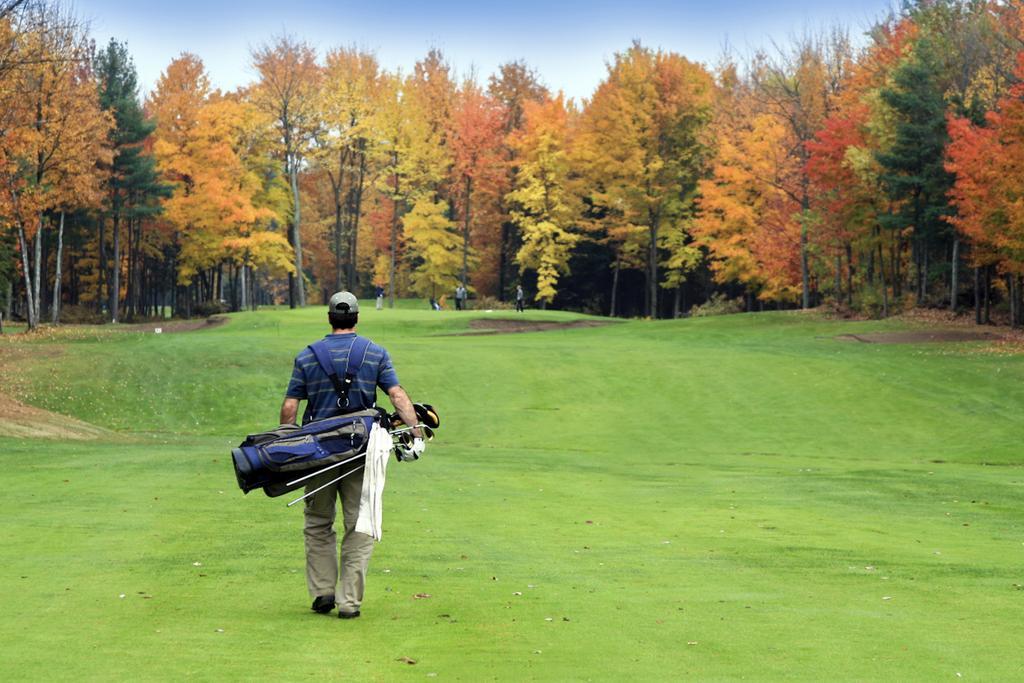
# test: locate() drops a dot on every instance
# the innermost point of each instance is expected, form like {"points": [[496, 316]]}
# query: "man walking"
{"points": [[311, 384], [520, 298]]}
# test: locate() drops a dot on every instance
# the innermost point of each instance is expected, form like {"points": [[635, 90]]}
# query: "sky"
{"points": [[568, 43]]}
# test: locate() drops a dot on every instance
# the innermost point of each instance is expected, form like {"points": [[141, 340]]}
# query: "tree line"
{"points": [[874, 177]]}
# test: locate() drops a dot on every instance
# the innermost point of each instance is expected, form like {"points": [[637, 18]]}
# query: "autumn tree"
{"points": [[351, 79], [288, 87], [218, 207], [434, 246], [476, 146], [544, 207], [642, 146], [513, 86], [52, 134], [988, 191]]}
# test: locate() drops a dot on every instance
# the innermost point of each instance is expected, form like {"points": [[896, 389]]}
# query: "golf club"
{"points": [[319, 488], [329, 467]]}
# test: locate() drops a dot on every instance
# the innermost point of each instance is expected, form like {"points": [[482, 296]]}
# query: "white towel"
{"points": [[371, 500]]}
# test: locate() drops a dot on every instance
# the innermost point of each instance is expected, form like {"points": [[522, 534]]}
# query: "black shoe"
{"points": [[323, 604], [348, 615]]}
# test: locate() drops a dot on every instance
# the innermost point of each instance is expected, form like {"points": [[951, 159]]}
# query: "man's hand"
{"points": [[403, 406], [289, 409]]}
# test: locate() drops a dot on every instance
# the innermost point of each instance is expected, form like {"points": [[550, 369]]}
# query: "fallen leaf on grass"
{"points": [[517, 593], [421, 596], [887, 597], [407, 660], [691, 642]]}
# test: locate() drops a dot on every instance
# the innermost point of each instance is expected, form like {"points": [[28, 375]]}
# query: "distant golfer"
{"points": [[311, 384], [520, 298], [380, 298], [460, 297]]}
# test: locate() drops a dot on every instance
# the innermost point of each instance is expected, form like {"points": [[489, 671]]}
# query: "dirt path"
{"points": [[482, 326], [172, 326], [923, 336]]}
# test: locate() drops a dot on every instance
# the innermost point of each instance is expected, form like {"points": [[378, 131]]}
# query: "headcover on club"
{"points": [[427, 414]]}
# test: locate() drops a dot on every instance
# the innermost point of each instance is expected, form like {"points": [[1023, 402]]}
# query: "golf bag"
{"points": [[273, 460], [279, 460]]}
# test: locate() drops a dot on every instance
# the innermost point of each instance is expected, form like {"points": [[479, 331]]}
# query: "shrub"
{"points": [[208, 308], [80, 315], [718, 304], [487, 302]]}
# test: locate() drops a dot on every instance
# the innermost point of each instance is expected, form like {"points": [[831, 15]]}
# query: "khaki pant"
{"points": [[322, 542]]}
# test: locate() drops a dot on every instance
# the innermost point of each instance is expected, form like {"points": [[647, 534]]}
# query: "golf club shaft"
{"points": [[402, 430], [329, 467], [319, 488], [343, 462]]}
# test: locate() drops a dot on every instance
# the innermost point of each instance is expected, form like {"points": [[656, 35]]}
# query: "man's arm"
{"points": [[400, 400], [289, 409]]}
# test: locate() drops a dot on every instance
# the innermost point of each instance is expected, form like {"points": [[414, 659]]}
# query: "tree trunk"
{"points": [[839, 278], [652, 271], [849, 274], [241, 288], [677, 300], [977, 295], [115, 275], [35, 284], [805, 273], [336, 190], [55, 304], [954, 285], [894, 260], [465, 229], [924, 272], [503, 260], [885, 287], [1019, 296], [30, 311], [988, 295], [356, 212], [615, 286], [394, 236], [300, 285], [8, 296], [129, 290], [1011, 291], [101, 277], [337, 241]]}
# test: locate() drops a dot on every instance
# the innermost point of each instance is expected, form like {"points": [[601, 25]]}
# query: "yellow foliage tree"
{"points": [[542, 204]]}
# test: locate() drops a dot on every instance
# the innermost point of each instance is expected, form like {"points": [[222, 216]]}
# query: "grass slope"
{"points": [[714, 499]]}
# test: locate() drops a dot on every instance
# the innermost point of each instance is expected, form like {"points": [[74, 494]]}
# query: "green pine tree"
{"points": [[133, 186], [913, 168]]}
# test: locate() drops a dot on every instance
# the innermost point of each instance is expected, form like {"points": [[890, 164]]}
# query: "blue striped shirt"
{"points": [[310, 383]]}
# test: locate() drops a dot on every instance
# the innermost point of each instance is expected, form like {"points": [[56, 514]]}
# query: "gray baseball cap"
{"points": [[343, 302]]}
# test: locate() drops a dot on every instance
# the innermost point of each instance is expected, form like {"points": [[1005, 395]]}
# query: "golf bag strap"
{"points": [[356, 356]]}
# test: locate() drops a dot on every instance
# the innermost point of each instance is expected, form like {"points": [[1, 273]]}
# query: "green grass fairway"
{"points": [[731, 498]]}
